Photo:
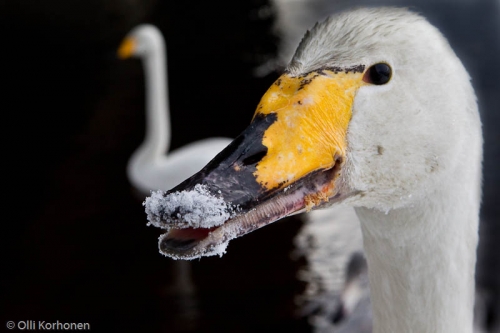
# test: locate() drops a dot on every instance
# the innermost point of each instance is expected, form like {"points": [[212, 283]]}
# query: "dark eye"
{"points": [[378, 74]]}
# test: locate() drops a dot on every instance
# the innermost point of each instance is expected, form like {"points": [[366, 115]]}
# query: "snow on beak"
{"points": [[287, 160]]}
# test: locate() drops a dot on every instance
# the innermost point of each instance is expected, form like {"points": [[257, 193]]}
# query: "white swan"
{"points": [[150, 168], [375, 110]]}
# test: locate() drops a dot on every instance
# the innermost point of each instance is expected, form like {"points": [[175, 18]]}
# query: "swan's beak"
{"points": [[127, 48], [288, 160]]}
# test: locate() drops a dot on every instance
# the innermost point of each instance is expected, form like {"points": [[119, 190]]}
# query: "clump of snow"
{"points": [[219, 250], [197, 208]]}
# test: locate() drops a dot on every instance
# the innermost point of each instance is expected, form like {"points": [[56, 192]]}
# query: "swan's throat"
{"points": [[421, 268]]}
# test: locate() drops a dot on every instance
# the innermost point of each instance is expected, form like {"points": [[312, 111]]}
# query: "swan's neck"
{"points": [[157, 140], [421, 262]]}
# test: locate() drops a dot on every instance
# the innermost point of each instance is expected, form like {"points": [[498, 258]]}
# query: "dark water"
{"points": [[75, 243]]}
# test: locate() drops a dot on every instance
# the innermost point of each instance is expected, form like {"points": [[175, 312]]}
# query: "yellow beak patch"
{"points": [[126, 48], [313, 113]]}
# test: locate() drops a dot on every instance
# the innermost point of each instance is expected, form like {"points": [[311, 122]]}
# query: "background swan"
{"points": [[150, 167], [404, 171], [329, 240]]}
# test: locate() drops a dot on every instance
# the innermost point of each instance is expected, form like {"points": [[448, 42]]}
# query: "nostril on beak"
{"points": [[253, 159]]}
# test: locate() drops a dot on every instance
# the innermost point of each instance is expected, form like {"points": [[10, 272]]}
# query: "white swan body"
{"points": [[150, 168], [376, 111]]}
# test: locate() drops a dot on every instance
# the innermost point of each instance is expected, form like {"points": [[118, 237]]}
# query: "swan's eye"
{"points": [[378, 74]]}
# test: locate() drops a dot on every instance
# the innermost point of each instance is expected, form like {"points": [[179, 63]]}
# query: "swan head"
{"points": [[143, 40], [409, 130], [375, 109]]}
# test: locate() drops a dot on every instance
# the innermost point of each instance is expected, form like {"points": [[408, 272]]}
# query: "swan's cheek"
{"points": [[389, 158]]}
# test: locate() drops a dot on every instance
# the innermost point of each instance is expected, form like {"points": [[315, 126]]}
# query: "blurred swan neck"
{"points": [[158, 129]]}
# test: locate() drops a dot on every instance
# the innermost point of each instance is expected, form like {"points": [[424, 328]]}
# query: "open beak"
{"points": [[288, 160]]}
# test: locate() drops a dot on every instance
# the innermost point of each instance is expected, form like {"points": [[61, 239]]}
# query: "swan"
{"points": [[149, 167], [376, 111], [334, 299]]}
